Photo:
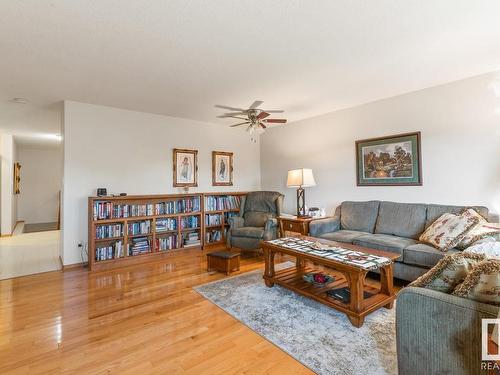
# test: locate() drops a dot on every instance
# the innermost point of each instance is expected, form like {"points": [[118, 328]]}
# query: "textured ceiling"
{"points": [[180, 57]]}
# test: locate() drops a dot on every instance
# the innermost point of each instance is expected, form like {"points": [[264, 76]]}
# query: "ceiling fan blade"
{"points": [[241, 123], [262, 125], [262, 115], [230, 108], [232, 115], [239, 118], [227, 115], [256, 103], [273, 110], [275, 120]]}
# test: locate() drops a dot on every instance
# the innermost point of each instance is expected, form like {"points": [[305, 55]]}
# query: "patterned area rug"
{"points": [[319, 337]]}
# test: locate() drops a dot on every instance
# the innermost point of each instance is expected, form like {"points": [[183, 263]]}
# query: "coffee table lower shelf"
{"points": [[291, 278]]}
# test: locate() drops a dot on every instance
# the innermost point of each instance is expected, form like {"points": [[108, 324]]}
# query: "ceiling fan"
{"points": [[255, 117]]}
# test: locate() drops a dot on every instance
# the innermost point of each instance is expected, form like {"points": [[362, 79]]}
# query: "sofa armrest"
{"points": [[322, 226], [236, 222], [270, 229], [438, 333]]}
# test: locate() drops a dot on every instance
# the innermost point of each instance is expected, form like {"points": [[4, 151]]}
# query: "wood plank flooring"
{"points": [[140, 320]]}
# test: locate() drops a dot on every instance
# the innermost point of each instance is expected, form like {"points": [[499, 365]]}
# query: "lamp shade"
{"points": [[302, 177]]}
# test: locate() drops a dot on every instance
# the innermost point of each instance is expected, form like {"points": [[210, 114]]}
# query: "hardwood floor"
{"points": [[145, 319], [141, 320]]}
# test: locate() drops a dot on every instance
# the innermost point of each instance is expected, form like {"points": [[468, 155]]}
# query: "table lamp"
{"points": [[300, 178]]}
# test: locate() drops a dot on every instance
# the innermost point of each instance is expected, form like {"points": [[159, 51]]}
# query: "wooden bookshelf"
{"points": [[135, 229], [218, 208]]}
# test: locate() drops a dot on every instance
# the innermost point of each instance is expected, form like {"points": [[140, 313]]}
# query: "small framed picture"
{"points": [[17, 178], [389, 161], [222, 168], [185, 168]]}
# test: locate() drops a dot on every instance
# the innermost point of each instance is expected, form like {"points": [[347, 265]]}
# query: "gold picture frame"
{"points": [[222, 168], [185, 168], [17, 178]]}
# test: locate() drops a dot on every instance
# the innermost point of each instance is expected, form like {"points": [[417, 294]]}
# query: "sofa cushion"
{"points": [[401, 219], [478, 231], [359, 216], [423, 255], [448, 230], [448, 272], [385, 242], [252, 232], [482, 283], [434, 211], [343, 235], [256, 218]]}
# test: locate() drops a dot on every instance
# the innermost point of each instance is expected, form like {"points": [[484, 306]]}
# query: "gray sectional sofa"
{"points": [[390, 226]]}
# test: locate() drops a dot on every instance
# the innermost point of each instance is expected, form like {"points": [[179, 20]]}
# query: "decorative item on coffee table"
{"points": [[318, 279]]}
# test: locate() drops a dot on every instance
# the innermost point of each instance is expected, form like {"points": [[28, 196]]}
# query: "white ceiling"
{"points": [[180, 57]]}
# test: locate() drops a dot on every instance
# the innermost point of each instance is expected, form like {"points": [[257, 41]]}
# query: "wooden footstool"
{"points": [[223, 261]]}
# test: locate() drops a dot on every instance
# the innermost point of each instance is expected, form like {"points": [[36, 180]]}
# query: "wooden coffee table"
{"points": [[351, 276]]}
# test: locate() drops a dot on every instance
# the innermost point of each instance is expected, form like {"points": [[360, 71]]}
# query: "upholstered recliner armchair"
{"points": [[256, 220]]}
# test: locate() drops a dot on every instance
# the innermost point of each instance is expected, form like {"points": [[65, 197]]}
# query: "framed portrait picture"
{"points": [[389, 161], [185, 168], [222, 168], [17, 178]]}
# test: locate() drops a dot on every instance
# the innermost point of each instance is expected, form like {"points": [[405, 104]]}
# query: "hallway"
{"points": [[29, 253]]}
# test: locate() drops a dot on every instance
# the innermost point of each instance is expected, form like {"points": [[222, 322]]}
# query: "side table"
{"points": [[296, 224]]}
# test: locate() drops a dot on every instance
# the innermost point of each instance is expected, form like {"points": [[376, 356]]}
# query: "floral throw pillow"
{"points": [[449, 272], [482, 284], [478, 231], [448, 230]]}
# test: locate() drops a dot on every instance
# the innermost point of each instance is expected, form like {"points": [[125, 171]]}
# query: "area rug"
{"points": [[317, 336]]}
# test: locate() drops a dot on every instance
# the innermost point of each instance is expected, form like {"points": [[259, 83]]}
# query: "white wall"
{"points": [[460, 125], [41, 181], [127, 151], [8, 200]]}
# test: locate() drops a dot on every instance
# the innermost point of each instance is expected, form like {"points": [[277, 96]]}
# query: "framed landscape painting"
{"points": [[185, 168], [389, 161], [222, 168]]}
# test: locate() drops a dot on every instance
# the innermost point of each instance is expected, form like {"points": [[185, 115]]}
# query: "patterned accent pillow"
{"points": [[482, 284], [477, 232], [449, 272], [447, 231]]}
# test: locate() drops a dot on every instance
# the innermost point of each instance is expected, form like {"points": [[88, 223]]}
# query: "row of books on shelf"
{"points": [[223, 202], [213, 219], [163, 225], [127, 210], [167, 243], [138, 246], [107, 210], [191, 239], [213, 236], [185, 205], [190, 222], [139, 227], [102, 210], [108, 231], [109, 252], [142, 245]]}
